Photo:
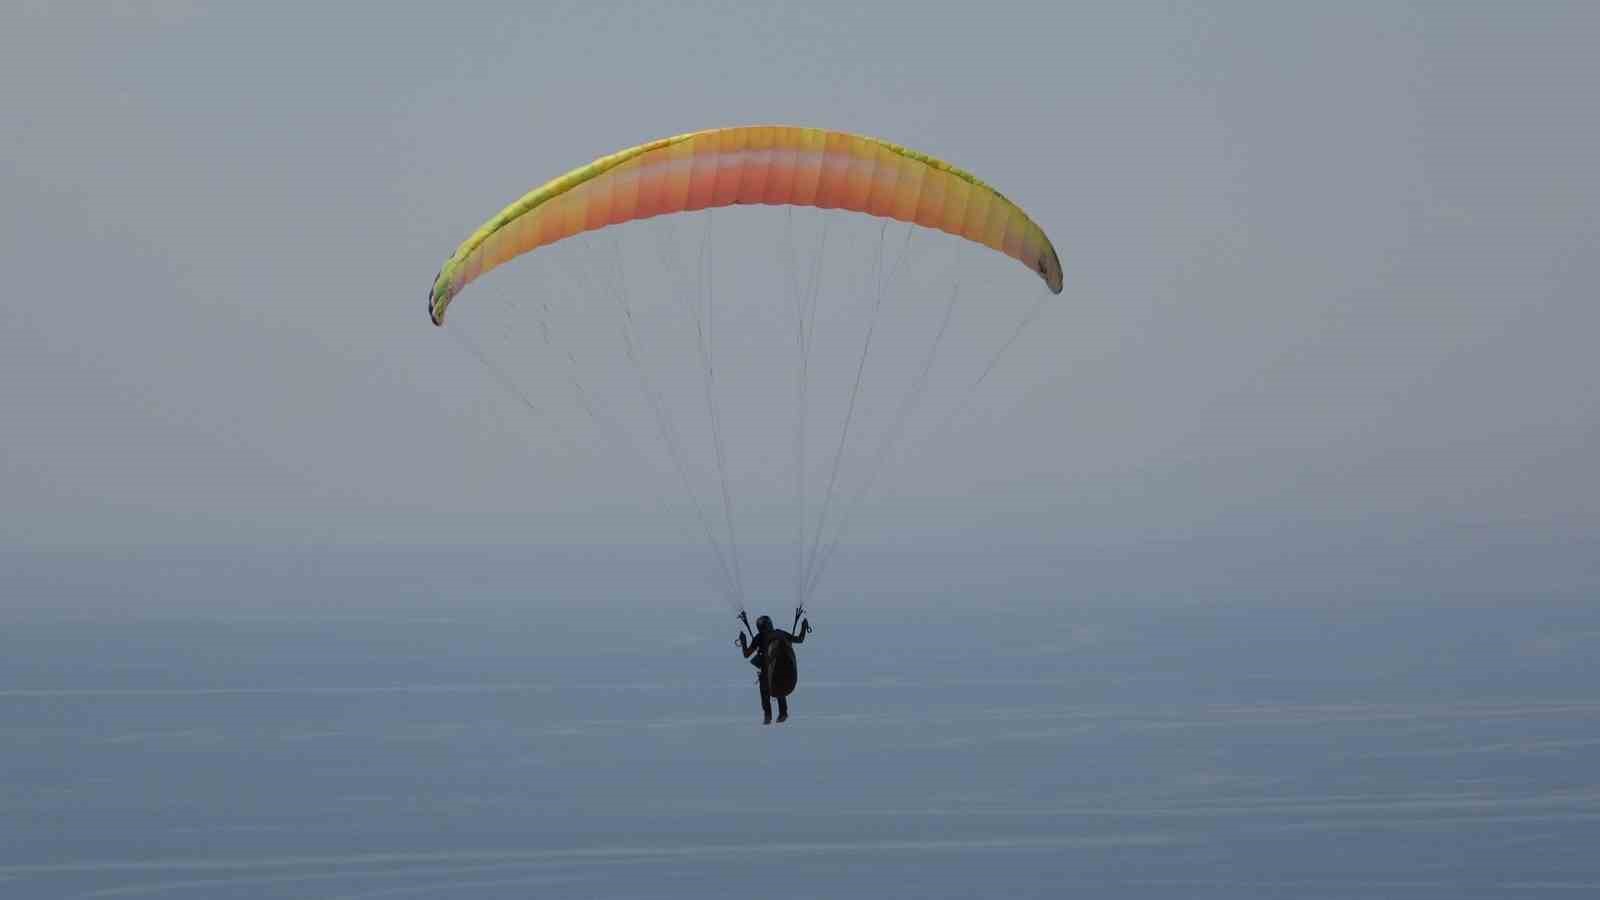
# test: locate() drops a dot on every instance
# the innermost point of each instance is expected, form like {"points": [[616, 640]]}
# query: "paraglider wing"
{"points": [[774, 165]]}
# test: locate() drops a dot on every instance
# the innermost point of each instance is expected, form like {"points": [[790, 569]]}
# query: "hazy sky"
{"points": [[1324, 264]]}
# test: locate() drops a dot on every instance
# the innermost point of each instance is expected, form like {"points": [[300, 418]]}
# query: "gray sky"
{"points": [[1324, 264]]}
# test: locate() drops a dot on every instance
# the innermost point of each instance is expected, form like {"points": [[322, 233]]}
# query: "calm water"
{"points": [[961, 749]]}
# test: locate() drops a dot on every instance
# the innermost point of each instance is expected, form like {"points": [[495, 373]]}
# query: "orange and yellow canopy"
{"points": [[775, 165]]}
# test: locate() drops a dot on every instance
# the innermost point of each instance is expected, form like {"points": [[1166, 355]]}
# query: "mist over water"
{"points": [[503, 731]]}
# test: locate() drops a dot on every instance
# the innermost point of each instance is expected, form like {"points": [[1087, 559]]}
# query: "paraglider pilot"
{"points": [[771, 651]]}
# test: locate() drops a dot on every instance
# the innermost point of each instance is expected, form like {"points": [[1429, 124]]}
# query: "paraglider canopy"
{"points": [[774, 165]]}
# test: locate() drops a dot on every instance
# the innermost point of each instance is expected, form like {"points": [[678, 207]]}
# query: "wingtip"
{"points": [[435, 314]]}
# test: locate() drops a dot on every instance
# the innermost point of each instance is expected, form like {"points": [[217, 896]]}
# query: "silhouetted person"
{"points": [[771, 651]]}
